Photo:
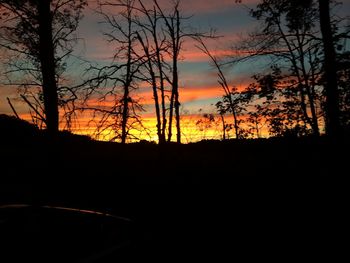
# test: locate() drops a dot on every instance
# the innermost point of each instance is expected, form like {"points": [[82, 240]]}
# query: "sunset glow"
{"points": [[199, 89]]}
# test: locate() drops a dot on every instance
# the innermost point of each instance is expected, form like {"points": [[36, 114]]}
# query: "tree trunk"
{"points": [[177, 104], [171, 113], [161, 77], [223, 127], [154, 88], [176, 79], [332, 96], [128, 79], [162, 91], [156, 103], [314, 124], [125, 113], [48, 66]]}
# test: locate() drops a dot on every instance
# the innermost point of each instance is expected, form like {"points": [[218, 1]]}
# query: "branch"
{"points": [[13, 109], [33, 108]]}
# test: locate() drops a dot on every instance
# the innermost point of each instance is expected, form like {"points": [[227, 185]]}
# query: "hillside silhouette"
{"points": [[75, 156], [214, 197]]}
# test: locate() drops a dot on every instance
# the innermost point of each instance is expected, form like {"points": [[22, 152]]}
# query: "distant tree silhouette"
{"points": [[255, 123], [207, 122], [39, 35], [226, 127]]}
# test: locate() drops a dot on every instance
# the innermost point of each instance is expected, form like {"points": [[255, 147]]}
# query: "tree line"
{"points": [[305, 87]]}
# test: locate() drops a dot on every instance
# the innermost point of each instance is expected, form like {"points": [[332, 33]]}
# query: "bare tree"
{"points": [[160, 35], [173, 30], [176, 31], [154, 45], [232, 99], [116, 82]]}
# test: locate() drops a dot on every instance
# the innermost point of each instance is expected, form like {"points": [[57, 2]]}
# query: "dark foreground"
{"points": [[251, 200]]}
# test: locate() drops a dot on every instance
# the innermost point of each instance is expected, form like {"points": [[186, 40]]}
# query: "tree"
{"points": [[154, 45], [116, 82], [176, 32], [301, 37], [332, 93], [39, 35], [275, 103], [232, 100], [289, 38], [343, 74]]}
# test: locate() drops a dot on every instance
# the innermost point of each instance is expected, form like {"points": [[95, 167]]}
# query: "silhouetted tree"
{"points": [[255, 123], [273, 98], [291, 37], [225, 127], [232, 101], [343, 73], [331, 86], [154, 37], [154, 45], [175, 30], [39, 35], [205, 123], [117, 81]]}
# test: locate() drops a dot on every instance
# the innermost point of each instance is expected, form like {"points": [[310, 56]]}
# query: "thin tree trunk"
{"points": [[176, 79], [332, 93], [236, 123], [126, 99], [12, 108], [314, 124], [154, 88], [48, 66], [125, 113], [171, 113], [296, 69], [156, 103], [162, 88], [223, 127], [177, 103], [257, 128]]}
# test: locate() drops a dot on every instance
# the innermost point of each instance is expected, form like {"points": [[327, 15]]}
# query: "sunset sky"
{"points": [[198, 83]]}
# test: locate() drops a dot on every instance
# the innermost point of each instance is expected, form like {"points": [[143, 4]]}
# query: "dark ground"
{"points": [[274, 199]]}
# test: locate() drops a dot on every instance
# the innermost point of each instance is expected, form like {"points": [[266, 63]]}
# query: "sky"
{"points": [[226, 17], [199, 88]]}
